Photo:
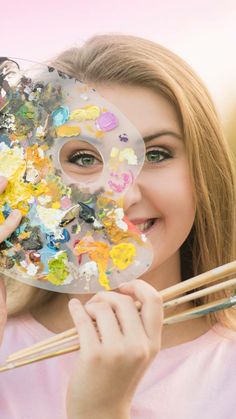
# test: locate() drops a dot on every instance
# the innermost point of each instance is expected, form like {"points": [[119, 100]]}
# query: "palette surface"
{"points": [[70, 157]]}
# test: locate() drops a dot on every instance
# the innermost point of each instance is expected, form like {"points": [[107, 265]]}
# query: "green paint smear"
{"points": [[58, 270]]}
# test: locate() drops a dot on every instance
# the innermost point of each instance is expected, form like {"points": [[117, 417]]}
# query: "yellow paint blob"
{"points": [[56, 205], [89, 112], [2, 218], [12, 164], [68, 131], [123, 255]]}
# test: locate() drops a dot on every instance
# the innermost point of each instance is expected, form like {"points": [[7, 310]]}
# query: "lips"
{"points": [[144, 224]]}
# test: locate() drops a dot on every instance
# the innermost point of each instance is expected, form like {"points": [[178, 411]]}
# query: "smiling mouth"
{"points": [[145, 227]]}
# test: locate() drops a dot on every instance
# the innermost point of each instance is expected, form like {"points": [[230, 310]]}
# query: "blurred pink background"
{"points": [[203, 32]]}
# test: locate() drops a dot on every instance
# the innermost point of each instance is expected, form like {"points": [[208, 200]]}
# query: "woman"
{"points": [[184, 200]]}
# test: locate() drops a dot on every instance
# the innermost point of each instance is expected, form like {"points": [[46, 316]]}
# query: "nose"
{"points": [[133, 195]]}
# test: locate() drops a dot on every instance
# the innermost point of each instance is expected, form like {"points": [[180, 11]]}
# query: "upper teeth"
{"points": [[144, 226]]}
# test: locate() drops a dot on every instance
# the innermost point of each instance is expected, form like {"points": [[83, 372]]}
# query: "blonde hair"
{"points": [[123, 59]]}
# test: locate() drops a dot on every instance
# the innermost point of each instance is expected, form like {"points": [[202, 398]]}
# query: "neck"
{"points": [[165, 275]]}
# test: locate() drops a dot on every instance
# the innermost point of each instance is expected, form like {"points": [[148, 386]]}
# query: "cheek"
{"points": [[181, 201], [174, 195]]}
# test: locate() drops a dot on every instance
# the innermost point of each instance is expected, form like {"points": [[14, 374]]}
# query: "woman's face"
{"points": [[160, 202], [163, 189]]}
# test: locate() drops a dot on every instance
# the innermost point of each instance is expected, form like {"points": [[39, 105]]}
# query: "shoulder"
{"points": [[20, 332], [226, 334], [218, 352], [218, 342], [15, 336]]}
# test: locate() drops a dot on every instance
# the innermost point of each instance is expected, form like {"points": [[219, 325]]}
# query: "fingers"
{"points": [[3, 308], [88, 337], [106, 321], [13, 220], [125, 310], [10, 224], [6, 228], [2, 291], [135, 325], [3, 184], [151, 310], [107, 329], [118, 322], [3, 316]]}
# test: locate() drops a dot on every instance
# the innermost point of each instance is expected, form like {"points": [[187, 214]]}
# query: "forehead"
{"points": [[147, 109]]}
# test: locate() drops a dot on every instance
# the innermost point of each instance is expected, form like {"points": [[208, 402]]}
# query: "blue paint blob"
{"points": [[60, 115], [6, 210], [46, 254], [55, 243], [65, 236], [52, 243], [4, 139]]}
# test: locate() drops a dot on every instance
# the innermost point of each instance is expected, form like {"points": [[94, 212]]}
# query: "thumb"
{"points": [[2, 290], [3, 308]]}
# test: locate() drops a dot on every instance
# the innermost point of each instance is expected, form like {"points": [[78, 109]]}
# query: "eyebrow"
{"points": [[158, 134], [146, 139]]}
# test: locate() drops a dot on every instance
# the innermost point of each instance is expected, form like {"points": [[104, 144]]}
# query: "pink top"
{"points": [[190, 381]]}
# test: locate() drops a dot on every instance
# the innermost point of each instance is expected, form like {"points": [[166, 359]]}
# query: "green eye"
{"points": [[156, 156], [83, 159]]}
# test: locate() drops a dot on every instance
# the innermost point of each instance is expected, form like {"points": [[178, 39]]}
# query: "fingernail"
{"points": [[16, 213], [122, 285], [2, 179], [74, 303]]}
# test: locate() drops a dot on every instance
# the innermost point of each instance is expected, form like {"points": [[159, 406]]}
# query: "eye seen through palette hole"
{"points": [[81, 161]]}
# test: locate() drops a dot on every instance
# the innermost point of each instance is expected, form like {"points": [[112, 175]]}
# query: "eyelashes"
{"points": [[84, 158], [157, 155]]}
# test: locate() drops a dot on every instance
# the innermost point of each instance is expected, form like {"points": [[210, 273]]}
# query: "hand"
{"points": [[6, 229], [115, 352]]}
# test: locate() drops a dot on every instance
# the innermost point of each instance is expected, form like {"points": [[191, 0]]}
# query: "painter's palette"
{"points": [[70, 157]]}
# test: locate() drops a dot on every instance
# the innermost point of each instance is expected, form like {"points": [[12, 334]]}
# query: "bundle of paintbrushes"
{"points": [[69, 341]]}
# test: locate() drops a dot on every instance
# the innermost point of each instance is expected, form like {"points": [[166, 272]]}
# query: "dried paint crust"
{"points": [[74, 236]]}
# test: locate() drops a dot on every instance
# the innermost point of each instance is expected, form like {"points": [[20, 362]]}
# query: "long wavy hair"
{"points": [[130, 60]]}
